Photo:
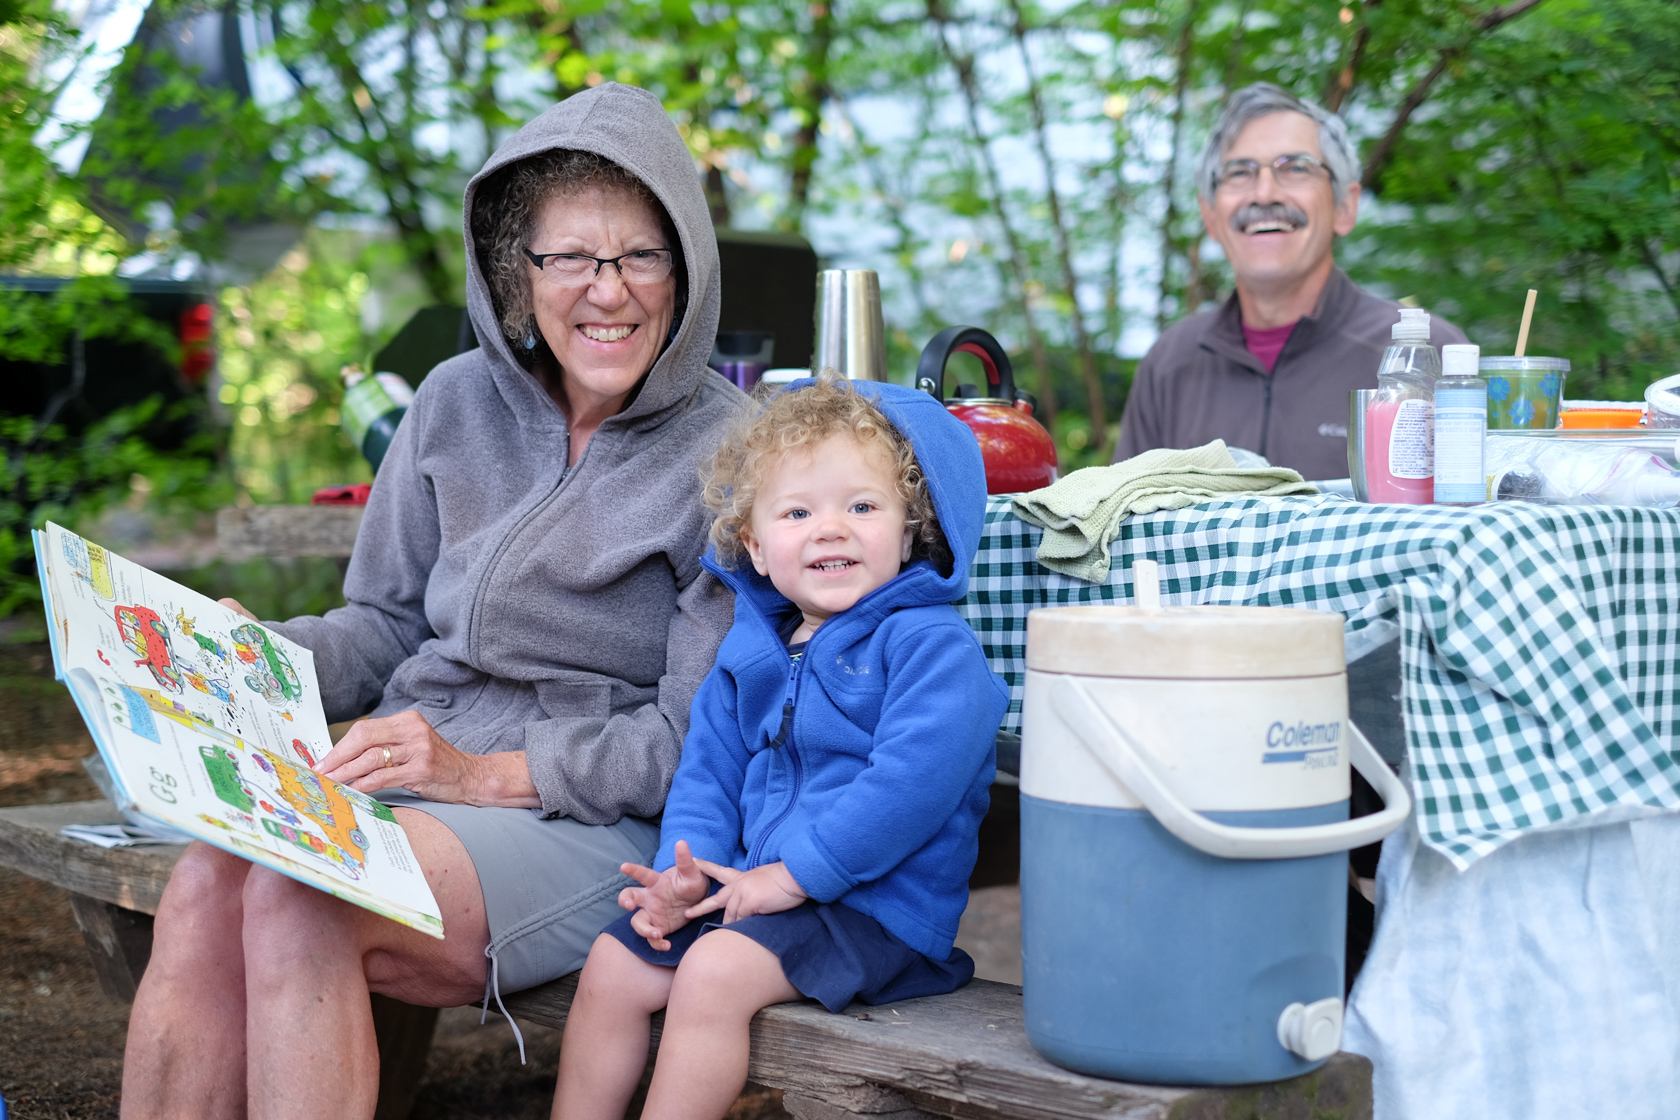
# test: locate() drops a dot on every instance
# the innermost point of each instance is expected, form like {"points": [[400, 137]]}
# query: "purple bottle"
{"points": [[743, 356]]}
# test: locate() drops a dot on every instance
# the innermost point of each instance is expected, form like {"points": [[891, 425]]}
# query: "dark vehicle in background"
{"points": [[94, 377]]}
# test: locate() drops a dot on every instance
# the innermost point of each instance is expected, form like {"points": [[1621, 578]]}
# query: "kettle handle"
{"points": [[968, 340], [1122, 758]]}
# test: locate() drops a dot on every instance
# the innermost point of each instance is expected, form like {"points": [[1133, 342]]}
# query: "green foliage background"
{"points": [[1022, 165]]}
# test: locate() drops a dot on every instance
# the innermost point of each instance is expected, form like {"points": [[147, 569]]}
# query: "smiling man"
{"points": [[1270, 369]]}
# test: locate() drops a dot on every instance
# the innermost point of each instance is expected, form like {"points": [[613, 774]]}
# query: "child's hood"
{"points": [[949, 456]]}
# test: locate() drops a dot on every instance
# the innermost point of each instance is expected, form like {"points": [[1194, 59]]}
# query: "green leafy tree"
{"points": [[1010, 163], [47, 227], [1548, 162]]}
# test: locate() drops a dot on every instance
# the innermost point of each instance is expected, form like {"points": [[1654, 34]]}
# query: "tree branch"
{"points": [[1651, 262], [906, 248], [1169, 223], [810, 96], [1233, 53], [1341, 83], [392, 161], [964, 66], [1064, 249], [1377, 162]]}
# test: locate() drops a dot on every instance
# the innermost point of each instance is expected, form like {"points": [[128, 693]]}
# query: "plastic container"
{"points": [[743, 356], [1184, 801], [1662, 400], [1579, 472], [1524, 392], [1601, 415], [1400, 420], [1460, 428]]}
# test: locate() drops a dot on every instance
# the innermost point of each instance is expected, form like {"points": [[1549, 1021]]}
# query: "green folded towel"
{"points": [[1081, 514]]}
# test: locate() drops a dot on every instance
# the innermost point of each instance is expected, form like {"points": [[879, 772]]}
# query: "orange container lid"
{"points": [[1601, 418]]}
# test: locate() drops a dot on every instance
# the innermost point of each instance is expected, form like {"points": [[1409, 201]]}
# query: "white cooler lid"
{"points": [[1185, 643]]}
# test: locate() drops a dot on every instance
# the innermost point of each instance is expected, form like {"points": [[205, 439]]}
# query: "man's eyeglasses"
{"points": [[574, 270], [1243, 175]]}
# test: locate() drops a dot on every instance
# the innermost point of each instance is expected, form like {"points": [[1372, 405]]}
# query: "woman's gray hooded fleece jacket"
{"points": [[520, 607]]}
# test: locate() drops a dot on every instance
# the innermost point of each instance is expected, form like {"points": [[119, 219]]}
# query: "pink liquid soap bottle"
{"points": [[1400, 422]]}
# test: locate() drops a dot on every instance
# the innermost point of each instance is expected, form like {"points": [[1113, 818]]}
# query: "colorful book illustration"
{"points": [[212, 725]]}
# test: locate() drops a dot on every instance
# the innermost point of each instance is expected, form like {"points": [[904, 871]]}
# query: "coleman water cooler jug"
{"points": [[1184, 830]]}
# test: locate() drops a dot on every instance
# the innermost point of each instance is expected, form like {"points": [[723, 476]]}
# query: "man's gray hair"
{"points": [[1263, 99]]}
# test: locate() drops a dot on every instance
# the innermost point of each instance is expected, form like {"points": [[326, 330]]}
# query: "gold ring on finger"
{"points": [[386, 751]]}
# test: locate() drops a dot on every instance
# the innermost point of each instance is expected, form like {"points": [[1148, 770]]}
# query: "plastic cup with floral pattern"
{"points": [[1523, 392]]}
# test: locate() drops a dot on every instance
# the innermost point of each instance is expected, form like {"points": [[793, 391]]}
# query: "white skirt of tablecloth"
{"points": [[1542, 983]]}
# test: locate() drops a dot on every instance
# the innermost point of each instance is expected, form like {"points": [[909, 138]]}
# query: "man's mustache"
{"points": [[1257, 212]]}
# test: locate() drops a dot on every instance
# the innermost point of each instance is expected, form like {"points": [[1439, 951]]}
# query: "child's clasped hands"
{"points": [[667, 901]]}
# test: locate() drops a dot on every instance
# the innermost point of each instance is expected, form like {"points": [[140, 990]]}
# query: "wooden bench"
{"points": [[287, 531], [964, 1055]]}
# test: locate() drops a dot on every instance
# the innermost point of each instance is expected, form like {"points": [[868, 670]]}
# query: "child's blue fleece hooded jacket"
{"points": [[873, 796]]}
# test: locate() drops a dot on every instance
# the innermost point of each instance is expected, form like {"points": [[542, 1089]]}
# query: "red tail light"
{"points": [[197, 358]]}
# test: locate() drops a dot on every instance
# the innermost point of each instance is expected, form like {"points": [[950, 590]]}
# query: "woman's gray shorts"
{"points": [[550, 886]]}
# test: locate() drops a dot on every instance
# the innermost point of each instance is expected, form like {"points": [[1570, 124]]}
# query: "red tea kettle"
{"points": [[1018, 452]]}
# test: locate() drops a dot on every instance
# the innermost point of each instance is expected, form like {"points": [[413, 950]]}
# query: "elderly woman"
{"points": [[526, 619]]}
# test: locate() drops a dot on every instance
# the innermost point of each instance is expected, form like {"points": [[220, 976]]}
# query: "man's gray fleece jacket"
{"points": [[521, 607]]}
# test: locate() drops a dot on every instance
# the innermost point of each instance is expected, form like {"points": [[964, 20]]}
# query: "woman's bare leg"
{"points": [[605, 1046], [311, 960], [257, 992], [186, 1035], [723, 981]]}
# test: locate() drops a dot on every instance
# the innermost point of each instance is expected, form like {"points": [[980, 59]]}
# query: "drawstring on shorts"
{"points": [[493, 987]]}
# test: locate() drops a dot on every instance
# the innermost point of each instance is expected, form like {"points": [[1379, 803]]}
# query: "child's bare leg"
{"points": [[605, 1047], [723, 981]]}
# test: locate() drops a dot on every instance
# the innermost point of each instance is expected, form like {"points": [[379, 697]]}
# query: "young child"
{"points": [[837, 763]]}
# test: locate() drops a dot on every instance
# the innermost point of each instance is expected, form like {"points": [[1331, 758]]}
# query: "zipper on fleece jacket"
{"points": [[784, 738], [541, 504], [1266, 416], [790, 704]]}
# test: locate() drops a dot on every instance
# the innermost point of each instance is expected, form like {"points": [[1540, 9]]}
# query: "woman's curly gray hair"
{"points": [[796, 418], [504, 218]]}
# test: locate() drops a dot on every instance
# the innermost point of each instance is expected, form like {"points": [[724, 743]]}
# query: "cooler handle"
{"points": [[1117, 752]]}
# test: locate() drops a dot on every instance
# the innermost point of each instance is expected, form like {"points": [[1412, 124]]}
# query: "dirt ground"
{"points": [[61, 1039]]}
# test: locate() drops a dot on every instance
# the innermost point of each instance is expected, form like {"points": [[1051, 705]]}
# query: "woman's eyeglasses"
{"points": [[574, 270], [1243, 175]]}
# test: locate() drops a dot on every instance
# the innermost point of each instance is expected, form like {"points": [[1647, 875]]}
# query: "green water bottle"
{"points": [[372, 409]]}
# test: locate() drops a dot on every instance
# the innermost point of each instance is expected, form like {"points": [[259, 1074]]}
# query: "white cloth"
{"points": [[1543, 983]]}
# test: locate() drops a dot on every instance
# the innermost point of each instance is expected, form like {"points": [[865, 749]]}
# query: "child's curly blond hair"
{"points": [[790, 420]]}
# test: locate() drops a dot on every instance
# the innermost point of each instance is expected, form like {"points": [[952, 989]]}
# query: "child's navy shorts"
{"points": [[831, 953]]}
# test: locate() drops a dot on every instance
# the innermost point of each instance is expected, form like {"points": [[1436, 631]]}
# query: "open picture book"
{"points": [[211, 725]]}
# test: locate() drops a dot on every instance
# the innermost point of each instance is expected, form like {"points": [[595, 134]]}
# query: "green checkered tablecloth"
{"points": [[1540, 644]]}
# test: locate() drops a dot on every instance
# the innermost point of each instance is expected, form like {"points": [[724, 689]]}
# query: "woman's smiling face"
{"points": [[606, 334]]}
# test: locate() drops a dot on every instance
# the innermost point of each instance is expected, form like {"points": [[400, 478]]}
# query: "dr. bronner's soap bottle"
{"points": [[1460, 428], [1400, 422]]}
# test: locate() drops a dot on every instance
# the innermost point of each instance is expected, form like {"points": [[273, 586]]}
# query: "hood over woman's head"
{"points": [[612, 141]]}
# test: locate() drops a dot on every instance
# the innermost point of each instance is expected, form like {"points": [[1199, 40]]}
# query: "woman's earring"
{"points": [[531, 337]]}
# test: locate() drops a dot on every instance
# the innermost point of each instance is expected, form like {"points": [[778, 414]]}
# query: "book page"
{"points": [[212, 724]]}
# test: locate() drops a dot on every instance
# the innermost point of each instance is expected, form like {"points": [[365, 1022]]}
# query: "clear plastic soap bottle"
{"points": [[1460, 428], [1400, 421]]}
